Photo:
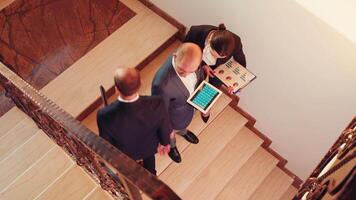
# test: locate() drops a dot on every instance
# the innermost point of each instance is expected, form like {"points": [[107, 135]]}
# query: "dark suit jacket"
{"points": [[168, 84], [198, 34], [135, 128]]}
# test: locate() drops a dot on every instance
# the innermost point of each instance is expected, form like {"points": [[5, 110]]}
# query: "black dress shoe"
{"points": [[204, 118], [175, 155], [190, 137]]}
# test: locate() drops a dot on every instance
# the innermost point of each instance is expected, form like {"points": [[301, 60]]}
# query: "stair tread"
{"points": [[289, 193], [273, 187], [196, 157], [10, 119], [196, 126], [26, 155], [17, 136], [250, 176], [99, 194], [39, 176], [74, 184], [229, 161]]}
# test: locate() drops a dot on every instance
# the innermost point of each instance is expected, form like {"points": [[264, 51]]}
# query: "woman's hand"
{"points": [[230, 90], [210, 72]]}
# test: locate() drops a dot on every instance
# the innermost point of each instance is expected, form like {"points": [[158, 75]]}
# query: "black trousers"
{"points": [[149, 163]]}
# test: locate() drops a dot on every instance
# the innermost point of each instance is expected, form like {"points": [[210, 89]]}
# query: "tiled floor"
{"points": [[40, 39]]}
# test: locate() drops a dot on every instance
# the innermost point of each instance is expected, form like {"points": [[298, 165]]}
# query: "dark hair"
{"points": [[223, 41], [129, 84]]}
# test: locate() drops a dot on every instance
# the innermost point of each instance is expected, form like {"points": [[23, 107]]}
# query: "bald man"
{"points": [[128, 123], [175, 81]]}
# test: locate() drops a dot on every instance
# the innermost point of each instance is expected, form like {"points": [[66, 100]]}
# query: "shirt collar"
{"points": [[128, 101], [174, 67]]}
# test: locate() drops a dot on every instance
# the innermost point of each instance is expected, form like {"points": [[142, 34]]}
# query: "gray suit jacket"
{"points": [[167, 84]]}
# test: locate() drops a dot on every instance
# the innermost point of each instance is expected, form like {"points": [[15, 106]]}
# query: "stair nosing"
{"points": [[13, 127], [21, 145], [29, 168], [56, 179], [91, 192]]}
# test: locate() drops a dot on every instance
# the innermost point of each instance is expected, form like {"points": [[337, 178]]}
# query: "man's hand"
{"points": [[163, 150], [210, 72], [205, 115]]}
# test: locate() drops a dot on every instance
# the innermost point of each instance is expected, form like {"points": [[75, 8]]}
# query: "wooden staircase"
{"points": [[34, 167], [229, 161]]}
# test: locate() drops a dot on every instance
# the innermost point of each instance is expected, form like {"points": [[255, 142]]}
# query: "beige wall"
{"points": [[305, 91], [340, 14]]}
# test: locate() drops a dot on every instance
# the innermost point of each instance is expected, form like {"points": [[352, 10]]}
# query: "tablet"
{"points": [[204, 97]]}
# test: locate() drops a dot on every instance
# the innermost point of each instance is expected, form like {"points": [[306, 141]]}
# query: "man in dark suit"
{"points": [[128, 123], [177, 78]]}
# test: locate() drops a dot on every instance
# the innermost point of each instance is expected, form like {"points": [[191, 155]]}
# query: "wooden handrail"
{"points": [[343, 150], [116, 172]]}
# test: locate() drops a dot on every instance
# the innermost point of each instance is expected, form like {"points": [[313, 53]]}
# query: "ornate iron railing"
{"points": [[115, 172], [334, 177]]}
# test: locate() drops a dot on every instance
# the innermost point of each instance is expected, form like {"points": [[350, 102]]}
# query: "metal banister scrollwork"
{"points": [[118, 174], [334, 177]]}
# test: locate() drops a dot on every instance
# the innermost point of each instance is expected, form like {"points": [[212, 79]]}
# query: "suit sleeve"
{"points": [[165, 128], [239, 55], [196, 35], [190, 35], [157, 90], [103, 132], [201, 75]]}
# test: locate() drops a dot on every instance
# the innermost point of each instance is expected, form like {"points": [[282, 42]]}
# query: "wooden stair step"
{"points": [[25, 156], [196, 126], [224, 167], [197, 157], [289, 193], [250, 176], [10, 119], [39, 176], [74, 184], [273, 187], [99, 194], [17, 136]]}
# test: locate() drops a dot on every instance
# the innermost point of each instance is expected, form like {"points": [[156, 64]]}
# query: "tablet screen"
{"points": [[205, 96]]}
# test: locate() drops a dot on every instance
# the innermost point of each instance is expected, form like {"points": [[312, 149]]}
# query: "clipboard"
{"points": [[234, 75]]}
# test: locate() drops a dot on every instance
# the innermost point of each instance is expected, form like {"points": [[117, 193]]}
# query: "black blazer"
{"points": [[167, 83], [135, 128], [198, 34]]}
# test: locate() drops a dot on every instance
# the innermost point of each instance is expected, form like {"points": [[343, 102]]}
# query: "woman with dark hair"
{"points": [[218, 45]]}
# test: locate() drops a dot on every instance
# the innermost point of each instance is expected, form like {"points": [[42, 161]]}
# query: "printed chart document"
{"points": [[204, 97], [234, 75]]}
